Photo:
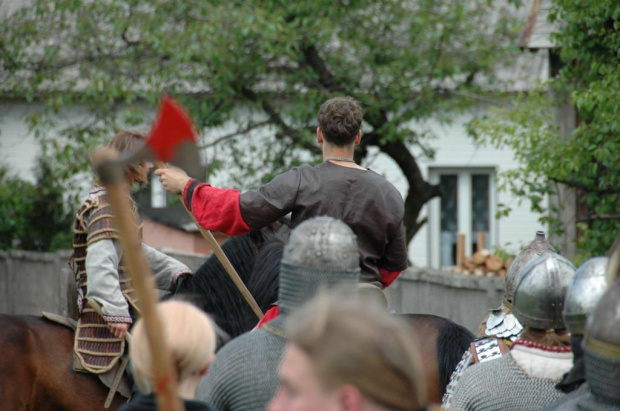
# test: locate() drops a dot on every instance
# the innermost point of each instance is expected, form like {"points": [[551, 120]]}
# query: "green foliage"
{"points": [[266, 65], [34, 216], [589, 159]]}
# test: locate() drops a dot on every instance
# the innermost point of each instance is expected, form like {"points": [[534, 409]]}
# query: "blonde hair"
{"points": [[362, 346], [190, 338]]}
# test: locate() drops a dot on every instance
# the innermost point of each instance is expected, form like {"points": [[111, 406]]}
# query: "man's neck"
{"points": [[334, 153], [339, 152]]}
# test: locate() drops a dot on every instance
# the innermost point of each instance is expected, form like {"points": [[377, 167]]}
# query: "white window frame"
{"points": [[464, 209]]}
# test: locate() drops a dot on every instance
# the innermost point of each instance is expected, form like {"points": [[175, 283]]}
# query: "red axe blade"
{"points": [[173, 139]]}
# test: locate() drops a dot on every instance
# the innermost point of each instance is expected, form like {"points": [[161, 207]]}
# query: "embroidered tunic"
{"points": [[365, 201]]}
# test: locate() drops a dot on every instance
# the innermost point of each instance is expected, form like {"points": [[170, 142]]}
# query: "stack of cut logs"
{"points": [[482, 262]]}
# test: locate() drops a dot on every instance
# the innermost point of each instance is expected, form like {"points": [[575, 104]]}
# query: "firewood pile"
{"points": [[482, 262]]}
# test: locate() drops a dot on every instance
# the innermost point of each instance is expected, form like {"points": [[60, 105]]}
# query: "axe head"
{"points": [[171, 140]]}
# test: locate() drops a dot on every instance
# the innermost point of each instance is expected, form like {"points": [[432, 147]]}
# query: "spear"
{"points": [[219, 253], [112, 175], [173, 139]]}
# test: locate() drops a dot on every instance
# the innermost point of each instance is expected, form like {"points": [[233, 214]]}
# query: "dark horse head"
{"points": [[211, 289]]}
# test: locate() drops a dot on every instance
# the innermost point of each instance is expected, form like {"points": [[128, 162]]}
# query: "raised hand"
{"points": [[173, 179]]}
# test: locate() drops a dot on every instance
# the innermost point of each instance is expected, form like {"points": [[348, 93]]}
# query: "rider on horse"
{"points": [[338, 188], [101, 277]]}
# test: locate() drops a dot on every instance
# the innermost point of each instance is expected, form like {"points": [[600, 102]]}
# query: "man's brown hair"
{"points": [[340, 119], [128, 140]]}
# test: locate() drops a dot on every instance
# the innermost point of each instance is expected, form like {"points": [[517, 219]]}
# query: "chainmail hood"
{"points": [[321, 252]]}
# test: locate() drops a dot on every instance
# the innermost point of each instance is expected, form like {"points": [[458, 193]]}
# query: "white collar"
{"points": [[541, 363]]}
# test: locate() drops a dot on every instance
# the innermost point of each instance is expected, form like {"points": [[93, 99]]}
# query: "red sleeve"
{"points": [[215, 208], [388, 277]]}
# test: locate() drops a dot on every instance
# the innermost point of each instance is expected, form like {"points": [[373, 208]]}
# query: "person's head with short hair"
{"points": [[340, 121], [129, 140], [345, 356], [190, 338]]}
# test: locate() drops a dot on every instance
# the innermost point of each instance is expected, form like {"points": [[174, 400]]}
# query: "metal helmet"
{"points": [[584, 293], [540, 291], [602, 346], [535, 249], [321, 251]]}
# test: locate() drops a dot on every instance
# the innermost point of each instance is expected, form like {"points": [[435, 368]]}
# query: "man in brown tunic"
{"points": [[338, 188]]}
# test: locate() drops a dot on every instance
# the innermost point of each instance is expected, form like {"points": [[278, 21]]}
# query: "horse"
{"points": [[35, 368], [36, 362], [442, 343], [211, 289]]}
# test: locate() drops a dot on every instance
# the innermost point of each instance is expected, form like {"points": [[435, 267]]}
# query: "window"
{"points": [[467, 205]]}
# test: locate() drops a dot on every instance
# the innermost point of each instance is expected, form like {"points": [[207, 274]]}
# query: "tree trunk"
{"points": [[420, 191]]}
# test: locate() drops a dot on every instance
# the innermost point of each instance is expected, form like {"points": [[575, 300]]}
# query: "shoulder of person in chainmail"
{"points": [[226, 372], [474, 385], [568, 401]]}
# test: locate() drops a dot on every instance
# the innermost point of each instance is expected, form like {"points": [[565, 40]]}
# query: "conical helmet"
{"points": [[535, 249], [584, 293], [321, 252], [540, 291], [602, 347]]}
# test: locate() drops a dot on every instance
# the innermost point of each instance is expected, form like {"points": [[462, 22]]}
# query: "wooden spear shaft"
{"points": [[217, 250], [165, 378], [221, 256]]}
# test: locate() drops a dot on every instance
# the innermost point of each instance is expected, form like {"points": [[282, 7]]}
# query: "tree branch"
{"points": [[585, 187], [326, 78], [275, 118], [419, 192], [600, 217], [234, 134]]}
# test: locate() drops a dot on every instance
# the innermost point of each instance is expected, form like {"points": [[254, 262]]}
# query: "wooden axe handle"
{"points": [[165, 374], [221, 256]]}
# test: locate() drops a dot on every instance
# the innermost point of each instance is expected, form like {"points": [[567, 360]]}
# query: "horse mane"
{"points": [[264, 281], [452, 342], [212, 290]]}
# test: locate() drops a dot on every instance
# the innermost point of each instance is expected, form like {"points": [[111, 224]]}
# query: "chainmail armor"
{"points": [[299, 284], [232, 384], [603, 376], [581, 400], [501, 385], [321, 252]]}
